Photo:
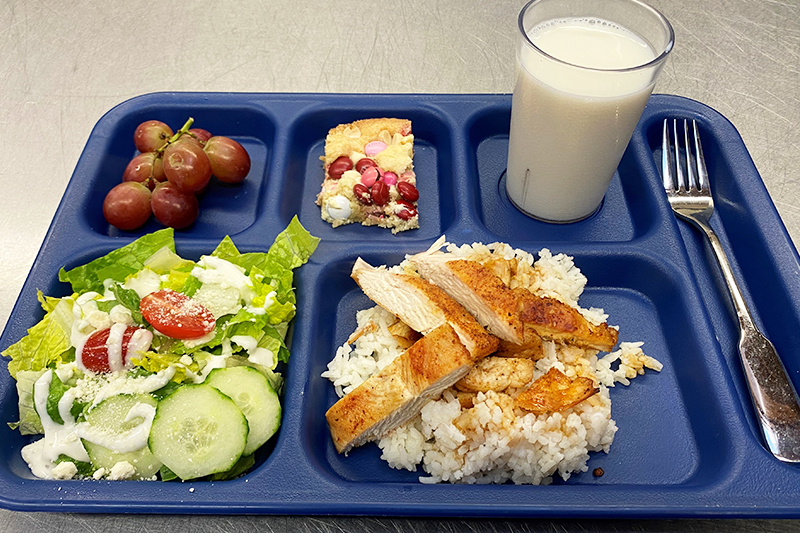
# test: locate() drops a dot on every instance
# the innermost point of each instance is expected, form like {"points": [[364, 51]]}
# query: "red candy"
{"points": [[339, 167], [407, 211], [362, 194], [408, 191], [380, 193], [364, 162]]}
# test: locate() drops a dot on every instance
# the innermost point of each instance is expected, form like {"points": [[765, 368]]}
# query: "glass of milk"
{"points": [[585, 69]]}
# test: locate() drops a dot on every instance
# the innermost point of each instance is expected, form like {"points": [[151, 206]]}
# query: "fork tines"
{"points": [[682, 163]]}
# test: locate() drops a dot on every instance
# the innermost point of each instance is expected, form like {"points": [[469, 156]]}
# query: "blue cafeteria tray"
{"points": [[688, 444]]}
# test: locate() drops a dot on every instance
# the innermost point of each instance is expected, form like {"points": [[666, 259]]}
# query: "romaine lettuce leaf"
{"points": [[118, 264], [291, 249], [46, 343], [56, 391], [128, 298], [29, 421], [157, 361]]}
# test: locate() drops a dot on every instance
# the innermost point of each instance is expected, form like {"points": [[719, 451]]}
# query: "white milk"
{"points": [[570, 125]]}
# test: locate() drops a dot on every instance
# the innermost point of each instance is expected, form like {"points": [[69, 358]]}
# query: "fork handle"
{"points": [[771, 389]]}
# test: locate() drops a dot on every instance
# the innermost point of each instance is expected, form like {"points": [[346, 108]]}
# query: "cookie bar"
{"points": [[369, 175]]}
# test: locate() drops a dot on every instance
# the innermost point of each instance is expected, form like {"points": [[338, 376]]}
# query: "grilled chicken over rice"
{"points": [[504, 382]]}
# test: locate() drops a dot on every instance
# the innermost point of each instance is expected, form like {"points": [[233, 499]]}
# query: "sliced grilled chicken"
{"points": [[554, 392], [510, 313], [555, 320], [476, 288], [531, 347], [398, 392], [422, 305], [403, 334], [497, 374]]}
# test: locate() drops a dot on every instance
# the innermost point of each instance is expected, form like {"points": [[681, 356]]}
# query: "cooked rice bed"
{"points": [[493, 441]]}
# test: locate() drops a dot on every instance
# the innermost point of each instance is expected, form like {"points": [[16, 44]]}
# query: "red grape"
{"points": [[201, 134], [127, 206], [230, 162], [143, 167], [151, 135], [187, 166], [173, 207]]}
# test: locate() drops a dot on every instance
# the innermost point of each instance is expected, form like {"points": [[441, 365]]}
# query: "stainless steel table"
{"points": [[65, 64]]}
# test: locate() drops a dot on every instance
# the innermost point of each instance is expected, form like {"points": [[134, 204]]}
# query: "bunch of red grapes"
{"points": [[168, 174]]}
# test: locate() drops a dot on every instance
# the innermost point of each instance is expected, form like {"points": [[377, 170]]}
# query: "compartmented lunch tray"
{"points": [[687, 445]]}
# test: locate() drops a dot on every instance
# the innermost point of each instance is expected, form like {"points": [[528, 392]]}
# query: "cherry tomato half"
{"points": [[176, 315], [97, 351]]}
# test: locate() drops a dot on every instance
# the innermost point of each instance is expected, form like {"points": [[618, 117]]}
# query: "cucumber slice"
{"points": [[252, 393], [198, 431], [107, 421]]}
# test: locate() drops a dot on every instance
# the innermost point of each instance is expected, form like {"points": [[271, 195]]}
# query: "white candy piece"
{"points": [[338, 207]]}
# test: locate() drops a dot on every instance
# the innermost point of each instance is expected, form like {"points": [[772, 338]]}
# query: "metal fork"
{"points": [[775, 399]]}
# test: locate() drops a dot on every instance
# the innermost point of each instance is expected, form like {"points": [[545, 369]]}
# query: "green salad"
{"points": [[158, 367]]}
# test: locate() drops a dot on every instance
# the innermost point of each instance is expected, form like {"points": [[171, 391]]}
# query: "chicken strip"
{"points": [[497, 374], [509, 313], [555, 320], [422, 306], [403, 334], [555, 392], [398, 392], [531, 347], [476, 288]]}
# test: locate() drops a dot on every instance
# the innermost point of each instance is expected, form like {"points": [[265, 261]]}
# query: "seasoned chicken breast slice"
{"points": [[399, 391], [475, 287], [555, 320], [531, 347], [554, 392], [422, 305]]}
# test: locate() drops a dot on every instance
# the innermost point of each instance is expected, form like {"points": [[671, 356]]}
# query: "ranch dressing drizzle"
{"points": [[132, 440], [66, 439], [212, 269], [114, 347], [58, 439], [151, 383]]}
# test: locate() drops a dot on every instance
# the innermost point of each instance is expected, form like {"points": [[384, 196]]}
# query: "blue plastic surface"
{"points": [[687, 446]]}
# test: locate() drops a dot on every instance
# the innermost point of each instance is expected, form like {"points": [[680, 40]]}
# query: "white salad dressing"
{"points": [[58, 439], [130, 441], [269, 299], [144, 282], [255, 354], [65, 439], [144, 385], [215, 361], [86, 318], [114, 347], [212, 269]]}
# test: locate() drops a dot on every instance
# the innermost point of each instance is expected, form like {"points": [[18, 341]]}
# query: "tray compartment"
{"points": [[225, 209], [303, 175], [669, 422], [624, 215], [759, 263]]}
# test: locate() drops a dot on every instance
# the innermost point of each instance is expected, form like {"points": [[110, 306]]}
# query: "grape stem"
{"points": [[178, 135], [160, 151]]}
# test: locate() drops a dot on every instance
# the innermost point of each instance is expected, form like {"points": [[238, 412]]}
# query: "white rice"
{"points": [[494, 441]]}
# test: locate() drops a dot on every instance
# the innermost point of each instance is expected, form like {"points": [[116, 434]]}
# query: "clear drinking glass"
{"points": [[585, 70]]}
